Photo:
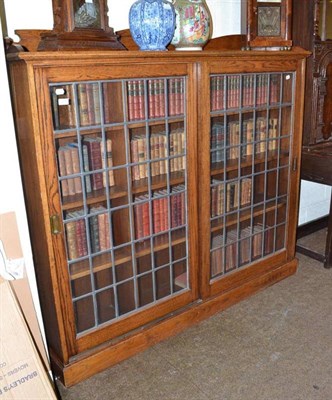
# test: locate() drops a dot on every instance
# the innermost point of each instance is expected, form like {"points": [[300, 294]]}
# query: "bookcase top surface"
{"points": [[40, 57]]}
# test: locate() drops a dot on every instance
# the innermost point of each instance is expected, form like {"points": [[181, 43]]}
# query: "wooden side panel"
{"points": [[36, 202]]}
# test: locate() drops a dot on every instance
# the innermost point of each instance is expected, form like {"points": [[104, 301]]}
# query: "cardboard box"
{"points": [[22, 373]]}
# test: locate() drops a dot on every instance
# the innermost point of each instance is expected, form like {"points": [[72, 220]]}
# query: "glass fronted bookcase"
{"points": [[121, 157], [161, 188], [251, 138]]}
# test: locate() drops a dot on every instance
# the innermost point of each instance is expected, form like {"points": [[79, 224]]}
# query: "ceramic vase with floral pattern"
{"points": [[193, 26]]}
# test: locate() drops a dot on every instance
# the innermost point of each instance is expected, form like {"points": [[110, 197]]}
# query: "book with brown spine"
{"points": [[142, 156], [134, 159], [138, 220], [76, 166], [83, 104], [107, 162], [62, 171], [96, 103], [69, 170], [72, 250]]}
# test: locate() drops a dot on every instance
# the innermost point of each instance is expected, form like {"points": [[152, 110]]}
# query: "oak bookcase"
{"points": [[161, 187]]}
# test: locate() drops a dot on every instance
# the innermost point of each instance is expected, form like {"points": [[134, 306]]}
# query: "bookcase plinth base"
{"points": [[92, 362]]}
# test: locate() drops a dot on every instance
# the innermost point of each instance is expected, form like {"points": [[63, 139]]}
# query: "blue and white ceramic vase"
{"points": [[193, 24], [152, 23]]}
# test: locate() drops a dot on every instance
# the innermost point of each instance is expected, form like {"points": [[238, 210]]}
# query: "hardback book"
{"points": [[107, 162], [95, 161]]}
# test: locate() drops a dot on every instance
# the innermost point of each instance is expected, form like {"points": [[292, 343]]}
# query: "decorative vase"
{"points": [[193, 24], [152, 23]]}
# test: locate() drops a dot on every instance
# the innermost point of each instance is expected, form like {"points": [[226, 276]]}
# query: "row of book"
{"points": [[234, 253], [256, 90], [238, 193], [76, 235], [156, 99], [244, 140], [96, 154], [158, 151], [99, 223], [159, 212]]}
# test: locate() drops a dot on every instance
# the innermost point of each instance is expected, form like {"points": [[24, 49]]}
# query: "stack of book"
{"points": [[95, 156], [176, 96], [158, 209], [217, 143], [262, 137], [158, 152], [234, 196], [76, 238], [254, 91], [235, 251], [89, 103], [157, 92], [99, 229], [76, 235]]}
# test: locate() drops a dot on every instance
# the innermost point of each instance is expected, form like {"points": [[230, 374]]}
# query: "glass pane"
{"points": [[176, 91], [163, 283], [126, 297], [135, 100], [121, 166], [113, 102], [105, 305], [87, 14], [217, 93], [84, 314], [63, 106], [249, 188], [145, 288]]}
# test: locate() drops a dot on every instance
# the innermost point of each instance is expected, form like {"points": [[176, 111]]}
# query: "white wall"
{"points": [[11, 198], [314, 201], [225, 14]]}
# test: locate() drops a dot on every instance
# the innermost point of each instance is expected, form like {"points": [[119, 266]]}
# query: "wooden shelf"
{"points": [[233, 219], [248, 161], [103, 261], [116, 192]]}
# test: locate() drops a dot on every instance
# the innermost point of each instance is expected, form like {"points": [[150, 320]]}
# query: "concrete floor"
{"points": [[276, 345]]}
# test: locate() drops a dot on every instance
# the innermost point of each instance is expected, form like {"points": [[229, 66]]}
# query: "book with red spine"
{"points": [[156, 90], [162, 97], [146, 217], [95, 161], [151, 98], [138, 220], [130, 98], [171, 96], [156, 210], [140, 103]]}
